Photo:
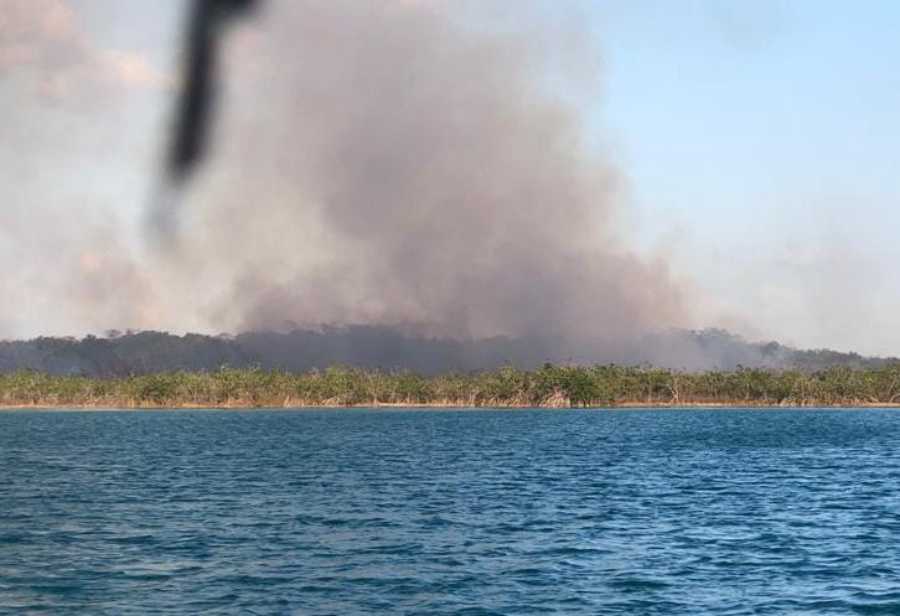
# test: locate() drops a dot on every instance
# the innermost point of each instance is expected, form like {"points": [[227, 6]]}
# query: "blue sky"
{"points": [[759, 141], [762, 143], [727, 110]]}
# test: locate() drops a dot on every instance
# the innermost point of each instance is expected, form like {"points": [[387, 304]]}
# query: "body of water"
{"points": [[450, 512]]}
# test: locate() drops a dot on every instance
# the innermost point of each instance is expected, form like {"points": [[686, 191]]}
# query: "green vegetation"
{"points": [[549, 386]]}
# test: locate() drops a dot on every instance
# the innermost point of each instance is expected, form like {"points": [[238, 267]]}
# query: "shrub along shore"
{"points": [[550, 387]]}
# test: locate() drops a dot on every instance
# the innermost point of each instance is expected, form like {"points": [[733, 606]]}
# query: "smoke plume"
{"points": [[392, 163]]}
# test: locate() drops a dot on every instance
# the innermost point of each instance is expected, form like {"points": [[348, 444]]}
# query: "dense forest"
{"points": [[548, 386], [389, 350], [368, 365]]}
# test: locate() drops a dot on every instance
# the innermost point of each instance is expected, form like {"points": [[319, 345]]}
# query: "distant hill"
{"points": [[390, 349]]}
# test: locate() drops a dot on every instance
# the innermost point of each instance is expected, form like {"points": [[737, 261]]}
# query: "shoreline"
{"points": [[632, 405], [599, 387]]}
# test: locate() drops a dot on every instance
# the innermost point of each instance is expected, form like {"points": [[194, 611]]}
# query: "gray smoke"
{"points": [[390, 163]]}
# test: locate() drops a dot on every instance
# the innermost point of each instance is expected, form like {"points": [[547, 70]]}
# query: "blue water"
{"points": [[450, 512]]}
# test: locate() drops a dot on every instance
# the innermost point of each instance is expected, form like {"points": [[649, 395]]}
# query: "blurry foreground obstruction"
{"points": [[205, 28]]}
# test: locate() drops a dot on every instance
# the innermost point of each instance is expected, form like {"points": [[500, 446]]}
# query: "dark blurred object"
{"points": [[204, 34]]}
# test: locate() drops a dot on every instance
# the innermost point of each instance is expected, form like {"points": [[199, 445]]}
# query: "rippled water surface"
{"points": [[450, 512]]}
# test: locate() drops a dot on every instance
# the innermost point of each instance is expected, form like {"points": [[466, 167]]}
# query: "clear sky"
{"points": [[760, 142]]}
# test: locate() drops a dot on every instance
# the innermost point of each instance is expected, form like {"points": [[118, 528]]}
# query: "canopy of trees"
{"points": [[548, 386], [389, 349]]}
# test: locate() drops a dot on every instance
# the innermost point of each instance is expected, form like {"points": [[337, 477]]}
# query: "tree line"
{"points": [[548, 386], [382, 347]]}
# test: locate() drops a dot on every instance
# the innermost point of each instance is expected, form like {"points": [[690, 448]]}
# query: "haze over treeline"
{"points": [[388, 349], [430, 169], [383, 164], [404, 167]]}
